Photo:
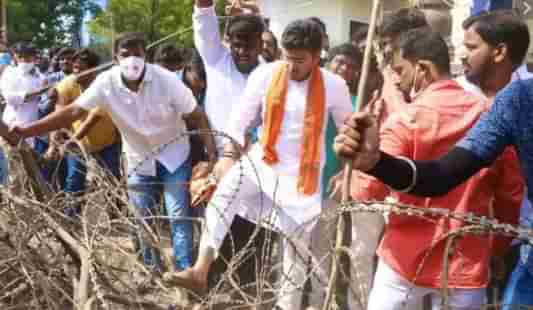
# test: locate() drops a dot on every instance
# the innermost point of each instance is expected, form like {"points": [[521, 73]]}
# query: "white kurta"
{"points": [[268, 194], [283, 176]]}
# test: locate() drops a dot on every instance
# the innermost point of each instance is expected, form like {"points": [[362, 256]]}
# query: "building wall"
{"points": [[282, 12], [337, 14]]}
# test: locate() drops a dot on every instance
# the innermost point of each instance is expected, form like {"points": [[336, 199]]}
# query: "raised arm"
{"points": [[207, 38]]}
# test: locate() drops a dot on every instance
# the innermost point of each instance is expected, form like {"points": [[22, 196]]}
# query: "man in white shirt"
{"points": [[148, 106], [227, 70], [17, 85], [279, 181]]}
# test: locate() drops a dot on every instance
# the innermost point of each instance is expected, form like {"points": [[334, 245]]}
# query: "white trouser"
{"points": [[367, 229], [392, 292], [322, 247], [238, 193]]}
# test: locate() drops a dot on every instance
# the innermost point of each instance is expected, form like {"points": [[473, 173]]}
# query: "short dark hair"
{"points": [[245, 26], [24, 48], [302, 34], [360, 34], [425, 44], [53, 51], [88, 56], [196, 64], [502, 26], [169, 53], [401, 21], [66, 51], [273, 37], [347, 50], [320, 23], [130, 39]]}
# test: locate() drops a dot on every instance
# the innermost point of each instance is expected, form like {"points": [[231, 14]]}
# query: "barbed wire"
{"points": [[524, 234], [95, 239]]}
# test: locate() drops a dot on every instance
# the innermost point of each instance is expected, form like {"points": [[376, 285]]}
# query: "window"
{"points": [[355, 26]]}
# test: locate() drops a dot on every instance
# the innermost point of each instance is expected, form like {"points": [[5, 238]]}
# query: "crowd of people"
{"points": [[425, 137]]}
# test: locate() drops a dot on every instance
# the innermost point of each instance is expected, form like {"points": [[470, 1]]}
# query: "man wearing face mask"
{"points": [[149, 106], [391, 29], [170, 57], [440, 115], [17, 85], [280, 185]]}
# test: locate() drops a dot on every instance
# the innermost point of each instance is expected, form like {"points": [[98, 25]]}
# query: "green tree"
{"points": [[156, 18], [47, 22]]}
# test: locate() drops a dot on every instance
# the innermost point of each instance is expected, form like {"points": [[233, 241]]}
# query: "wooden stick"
{"points": [[80, 75], [175, 34], [111, 63], [346, 184]]}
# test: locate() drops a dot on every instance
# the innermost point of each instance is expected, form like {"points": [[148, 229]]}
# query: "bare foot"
{"points": [[189, 279]]}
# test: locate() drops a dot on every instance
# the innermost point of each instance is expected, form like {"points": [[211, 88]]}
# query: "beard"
{"points": [[268, 56], [476, 76]]}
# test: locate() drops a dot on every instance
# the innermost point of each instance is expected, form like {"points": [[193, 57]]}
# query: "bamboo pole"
{"points": [[346, 184], [111, 63]]}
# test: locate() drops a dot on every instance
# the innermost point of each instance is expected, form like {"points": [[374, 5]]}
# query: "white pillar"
{"points": [[460, 12]]}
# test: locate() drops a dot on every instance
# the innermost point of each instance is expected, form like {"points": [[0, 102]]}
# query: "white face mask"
{"points": [[413, 93], [132, 67], [179, 73], [26, 67]]}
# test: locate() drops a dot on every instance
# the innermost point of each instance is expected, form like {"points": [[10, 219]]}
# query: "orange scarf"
{"points": [[309, 173]]}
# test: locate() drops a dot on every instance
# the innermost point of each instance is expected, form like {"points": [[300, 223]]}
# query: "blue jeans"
{"points": [[145, 193], [50, 168], [76, 171], [4, 173], [109, 158], [519, 290]]}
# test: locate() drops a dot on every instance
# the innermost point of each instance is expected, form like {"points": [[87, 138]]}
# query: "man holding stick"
{"points": [[441, 113]]}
